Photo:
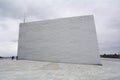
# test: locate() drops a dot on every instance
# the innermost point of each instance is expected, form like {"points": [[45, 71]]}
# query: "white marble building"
{"points": [[70, 40]]}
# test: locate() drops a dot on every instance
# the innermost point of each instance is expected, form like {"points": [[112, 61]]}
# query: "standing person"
{"points": [[12, 57], [16, 57]]}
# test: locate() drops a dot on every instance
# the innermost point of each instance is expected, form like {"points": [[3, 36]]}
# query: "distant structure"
{"points": [[115, 55], [70, 40], [24, 18]]}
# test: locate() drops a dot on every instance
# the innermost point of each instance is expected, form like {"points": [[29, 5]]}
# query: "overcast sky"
{"points": [[106, 14]]}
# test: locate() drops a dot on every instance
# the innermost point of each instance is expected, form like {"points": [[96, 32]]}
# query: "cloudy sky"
{"points": [[106, 14]]}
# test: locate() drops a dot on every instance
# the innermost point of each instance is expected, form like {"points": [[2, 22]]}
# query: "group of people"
{"points": [[13, 57]]}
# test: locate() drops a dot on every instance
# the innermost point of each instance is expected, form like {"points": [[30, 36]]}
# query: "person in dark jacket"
{"points": [[12, 57]]}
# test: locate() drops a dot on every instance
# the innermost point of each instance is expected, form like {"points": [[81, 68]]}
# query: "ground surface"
{"points": [[36, 70]]}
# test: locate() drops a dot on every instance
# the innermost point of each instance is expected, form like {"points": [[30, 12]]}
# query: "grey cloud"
{"points": [[106, 13], [9, 9], [3, 26], [16, 9], [14, 41]]}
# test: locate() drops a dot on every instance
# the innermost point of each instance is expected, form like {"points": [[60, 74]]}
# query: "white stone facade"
{"points": [[70, 40]]}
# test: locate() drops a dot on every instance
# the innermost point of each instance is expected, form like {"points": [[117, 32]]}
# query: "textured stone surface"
{"points": [[38, 70], [70, 40]]}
